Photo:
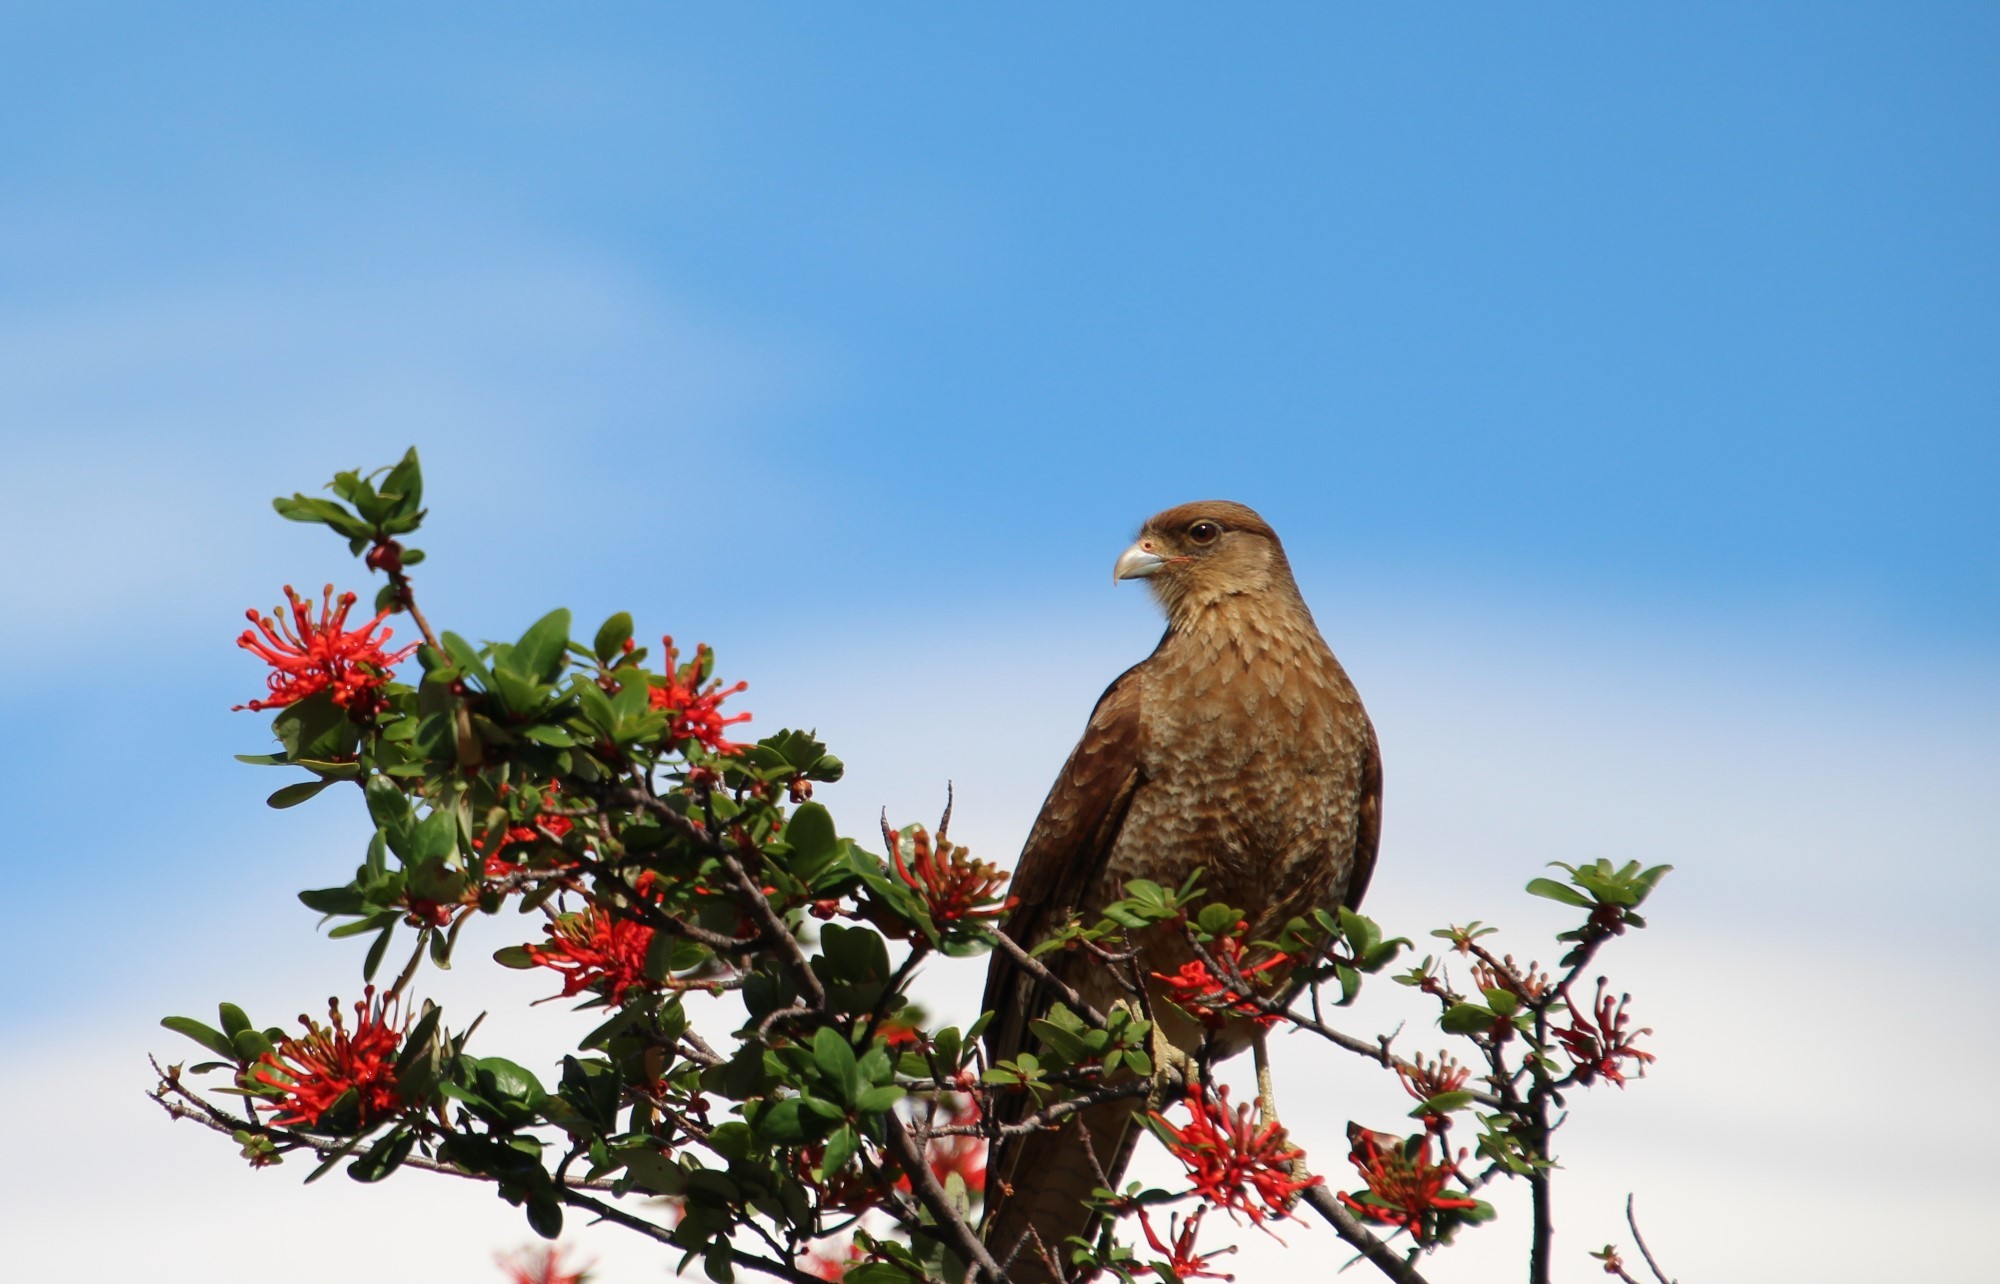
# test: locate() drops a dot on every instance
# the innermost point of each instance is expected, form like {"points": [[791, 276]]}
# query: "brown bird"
{"points": [[1238, 747]]}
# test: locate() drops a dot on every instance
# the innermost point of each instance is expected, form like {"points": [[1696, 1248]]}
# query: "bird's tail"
{"points": [[1043, 1186]]}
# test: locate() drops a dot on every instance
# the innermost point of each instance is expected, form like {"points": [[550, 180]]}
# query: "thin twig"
{"points": [[1035, 968], [1640, 1240], [612, 1213], [1041, 1119], [217, 1121]]}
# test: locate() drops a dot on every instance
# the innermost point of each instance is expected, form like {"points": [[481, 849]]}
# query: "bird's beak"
{"points": [[1137, 562]]}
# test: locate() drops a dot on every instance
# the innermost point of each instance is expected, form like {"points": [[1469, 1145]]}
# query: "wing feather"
{"points": [[1065, 855], [1368, 833]]}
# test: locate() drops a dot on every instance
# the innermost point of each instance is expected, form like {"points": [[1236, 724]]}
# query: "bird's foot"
{"points": [[1175, 1071], [1267, 1099]]}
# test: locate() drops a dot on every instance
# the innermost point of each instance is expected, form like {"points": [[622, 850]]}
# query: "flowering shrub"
{"points": [[819, 1125]]}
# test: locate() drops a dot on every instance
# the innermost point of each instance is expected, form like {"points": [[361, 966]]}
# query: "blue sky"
{"points": [[1622, 382]]}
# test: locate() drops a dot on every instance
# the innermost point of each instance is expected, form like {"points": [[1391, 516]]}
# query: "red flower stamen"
{"points": [[1404, 1188], [598, 948], [330, 1061], [1212, 999], [1235, 1162], [526, 834], [954, 887], [696, 712], [830, 1263], [1597, 1041], [309, 655], [541, 1265], [1426, 1081], [1182, 1260]]}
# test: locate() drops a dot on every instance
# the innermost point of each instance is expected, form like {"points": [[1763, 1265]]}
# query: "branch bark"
{"points": [[924, 1183], [1364, 1241]]}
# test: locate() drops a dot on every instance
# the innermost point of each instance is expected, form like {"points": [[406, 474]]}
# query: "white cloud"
{"points": [[143, 432], [1809, 976]]}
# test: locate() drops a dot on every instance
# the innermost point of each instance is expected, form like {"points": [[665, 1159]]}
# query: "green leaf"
{"points": [[1442, 1104], [840, 1150], [379, 919], [541, 652], [388, 806], [305, 508], [781, 1122], [294, 794], [466, 659], [810, 832], [1552, 890], [371, 964], [545, 1215], [612, 636], [835, 1058], [501, 1079], [405, 485], [233, 1020], [435, 838], [1065, 1044], [873, 1101], [517, 956], [1466, 1018], [316, 728], [383, 1157], [334, 900], [205, 1035]]}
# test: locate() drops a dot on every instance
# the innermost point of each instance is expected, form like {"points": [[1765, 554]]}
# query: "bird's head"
{"points": [[1196, 555]]}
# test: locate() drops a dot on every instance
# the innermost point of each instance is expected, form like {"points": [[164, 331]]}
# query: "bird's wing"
{"points": [[1065, 854], [1368, 830]]}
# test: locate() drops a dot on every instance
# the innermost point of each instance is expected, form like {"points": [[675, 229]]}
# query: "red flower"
{"points": [[899, 1031], [598, 948], [1598, 1045], [525, 834], [1426, 1081], [1234, 1160], [541, 1265], [696, 712], [318, 1070], [1403, 1187], [823, 1264], [1527, 985], [310, 655], [1212, 999], [1182, 1260], [954, 886], [960, 1153], [964, 1154]]}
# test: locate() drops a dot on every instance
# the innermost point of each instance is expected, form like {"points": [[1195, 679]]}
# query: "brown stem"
{"points": [[1033, 967], [1539, 1194], [1041, 1119], [1640, 1240], [1349, 1227], [215, 1120], [924, 1183]]}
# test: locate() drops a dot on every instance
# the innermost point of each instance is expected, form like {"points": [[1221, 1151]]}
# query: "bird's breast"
{"points": [[1253, 757]]}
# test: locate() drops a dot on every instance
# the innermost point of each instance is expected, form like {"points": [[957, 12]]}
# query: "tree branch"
{"points": [[924, 1184], [1349, 1227], [1633, 1221], [1034, 967]]}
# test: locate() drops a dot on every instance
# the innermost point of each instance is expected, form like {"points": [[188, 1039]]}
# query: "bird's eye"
{"points": [[1203, 532]]}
